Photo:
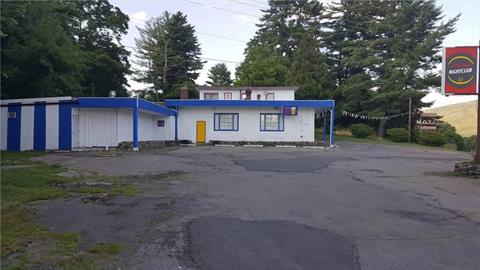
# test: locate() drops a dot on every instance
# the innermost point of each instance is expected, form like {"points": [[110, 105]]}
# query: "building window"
{"points": [[270, 96], [160, 123], [227, 96], [210, 95], [225, 121], [259, 97], [243, 96], [271, 122]]}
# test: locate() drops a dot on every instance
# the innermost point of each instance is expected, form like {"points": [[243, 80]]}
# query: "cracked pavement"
{"points": [[360, 206]]}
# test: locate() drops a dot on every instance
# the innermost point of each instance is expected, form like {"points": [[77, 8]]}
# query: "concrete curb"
{"points": [[314, 147], [285, 146]]}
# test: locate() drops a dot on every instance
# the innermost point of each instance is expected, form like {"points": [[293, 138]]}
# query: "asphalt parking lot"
{"points": [[359, 206]]}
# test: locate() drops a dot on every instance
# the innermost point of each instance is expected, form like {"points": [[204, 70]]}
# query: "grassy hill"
{"points": [[463, 116]]}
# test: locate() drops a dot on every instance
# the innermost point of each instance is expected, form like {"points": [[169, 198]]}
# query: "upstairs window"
{"points": [[227, 96], [270, 96], [225, 121], [271, 122], [210, 95]]}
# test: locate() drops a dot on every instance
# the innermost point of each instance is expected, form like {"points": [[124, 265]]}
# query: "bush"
{"points": [[361, 130], [470, 143], [432, 139], [397, 135], [450, 134]]}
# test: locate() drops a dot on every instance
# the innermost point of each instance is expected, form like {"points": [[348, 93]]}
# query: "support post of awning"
{"points": [[324, 137], [332, 116], [135, 127], [176, 124]]}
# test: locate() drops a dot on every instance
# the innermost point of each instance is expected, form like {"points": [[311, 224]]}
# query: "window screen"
{"points": [[271, 122], [225, 122]]}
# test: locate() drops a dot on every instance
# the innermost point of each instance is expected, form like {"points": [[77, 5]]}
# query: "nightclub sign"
{"points": [[287, 110], [460, 71]]}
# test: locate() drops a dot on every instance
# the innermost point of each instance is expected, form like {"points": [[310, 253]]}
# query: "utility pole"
{"points": [[477, 152], [409, 118]]}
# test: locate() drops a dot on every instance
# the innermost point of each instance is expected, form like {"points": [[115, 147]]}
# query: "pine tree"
{"points": [[280, 31], [219, 75], [310, 72], [261, 67], [406, 51], [169, 53]]}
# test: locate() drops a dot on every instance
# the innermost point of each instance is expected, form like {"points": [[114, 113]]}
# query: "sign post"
{"points": [[460, 77]]}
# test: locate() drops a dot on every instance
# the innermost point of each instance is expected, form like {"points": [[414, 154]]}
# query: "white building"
{"points": [[252, 114], [66, 123], [247, 114]]}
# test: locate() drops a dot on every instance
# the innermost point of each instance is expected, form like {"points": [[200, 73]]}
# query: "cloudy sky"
{"points": [[224, 26]]}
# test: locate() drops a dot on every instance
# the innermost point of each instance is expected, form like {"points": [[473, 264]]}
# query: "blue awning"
{"points": [[326, 104], [123, 102]]}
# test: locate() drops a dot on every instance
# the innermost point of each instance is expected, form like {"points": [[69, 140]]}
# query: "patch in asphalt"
{"points": [[120, 219], [299, 164], [227, 243]]}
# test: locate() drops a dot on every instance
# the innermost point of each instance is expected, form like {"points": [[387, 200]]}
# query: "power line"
{"points": [[224, 37], [204, 58], [212, 35], [222, 9], [248, 4], [220, 60]]}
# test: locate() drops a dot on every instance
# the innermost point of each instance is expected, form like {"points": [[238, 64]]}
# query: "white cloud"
{"points": [[138, 17]]}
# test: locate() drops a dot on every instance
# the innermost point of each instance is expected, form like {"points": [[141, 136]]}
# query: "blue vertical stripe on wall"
{"points": [[39, 126], [135, 127], [14, 126], [65, 125]]}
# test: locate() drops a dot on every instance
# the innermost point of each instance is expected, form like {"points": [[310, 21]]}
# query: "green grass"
{"points": [[345, 135], [18, 158], [377, 140], [29, 241]]}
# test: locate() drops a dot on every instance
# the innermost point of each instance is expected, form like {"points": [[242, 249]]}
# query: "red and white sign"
{"points": [[460, 71]]}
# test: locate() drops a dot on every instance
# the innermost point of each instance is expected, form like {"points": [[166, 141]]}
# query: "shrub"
{"points": [[450, 134], [361, 130], [470, 143], [432, 139], [397, 135]]}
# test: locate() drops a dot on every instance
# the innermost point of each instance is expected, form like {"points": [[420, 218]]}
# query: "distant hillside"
{"points": [[463, 116]]}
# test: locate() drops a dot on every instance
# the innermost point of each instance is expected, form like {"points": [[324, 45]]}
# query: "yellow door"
{"points": [[201, 131]]}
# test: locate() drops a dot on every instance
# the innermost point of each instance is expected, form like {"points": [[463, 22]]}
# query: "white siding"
{"points": [[51, 127], [221, 93], [26, 126], [296, 128], [109, 127], [3, 127], [279, 94], [98, 127], [125, 125]]}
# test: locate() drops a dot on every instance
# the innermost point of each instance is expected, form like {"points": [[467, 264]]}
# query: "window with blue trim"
{"points": [[271, 122], [225, 121]]}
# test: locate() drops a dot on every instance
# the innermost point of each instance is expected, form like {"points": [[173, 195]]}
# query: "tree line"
{"points": [[369, 56]]}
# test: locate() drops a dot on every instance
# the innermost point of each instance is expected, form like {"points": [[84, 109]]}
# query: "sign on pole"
{"points": [[460, 71], [460, 77]]}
